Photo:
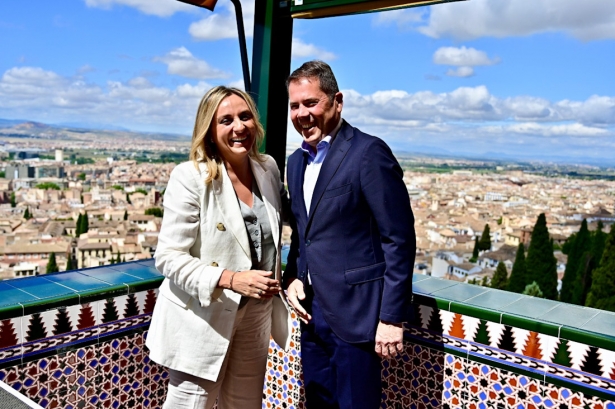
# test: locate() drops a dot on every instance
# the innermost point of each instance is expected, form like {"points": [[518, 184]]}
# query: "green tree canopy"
{"points": [[154, 211], [485, 239], [52, 266], [48, 185], [533, 289], [26, 214], [81, 176], [580, 245], [475, 250], [12, 199], [125, 214], [602, 291], [518, 275], [500, 277], [541, 265]]}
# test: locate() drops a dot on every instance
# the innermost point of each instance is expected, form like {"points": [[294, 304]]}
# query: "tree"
{"points": [[533, 289], [69, 263], [125, 214], [84, 225], [589, 262], [581, 245], [500, 277], [26, 214], [475, 251], [118, 260], [154, 211], [541, 264], [81, 176], [602, 292], [485, 239], [518, 275], [78, 225], [52, 266], [48, 185], [12, 199]]}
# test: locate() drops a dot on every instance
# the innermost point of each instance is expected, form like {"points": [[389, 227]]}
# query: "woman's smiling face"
{"points": [[234, 129]]}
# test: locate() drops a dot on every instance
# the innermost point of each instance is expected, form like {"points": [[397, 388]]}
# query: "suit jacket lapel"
{"points": [[297, 178], [228, 205], [263, 181], [335, 156]]}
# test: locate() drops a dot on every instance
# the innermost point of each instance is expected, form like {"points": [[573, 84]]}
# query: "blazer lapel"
{"points": [[228, 205], [296, 180], [265, 185], [332, 162]]}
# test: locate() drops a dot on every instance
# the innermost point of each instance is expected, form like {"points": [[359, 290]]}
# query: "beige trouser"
{"points": [[240, 383]]}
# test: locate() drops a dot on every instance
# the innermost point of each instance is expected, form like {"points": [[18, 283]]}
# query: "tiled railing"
{"points": [[76, 339]]}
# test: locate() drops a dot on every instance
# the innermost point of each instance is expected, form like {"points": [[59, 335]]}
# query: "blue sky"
{"points": [[525, 79]]}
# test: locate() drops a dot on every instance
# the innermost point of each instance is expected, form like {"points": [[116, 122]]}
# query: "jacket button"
{"points": [[221, 227], [307, 243], [214, 264]]}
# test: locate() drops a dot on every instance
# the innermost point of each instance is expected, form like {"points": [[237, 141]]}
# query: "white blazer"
{"points": [[203, 233]]}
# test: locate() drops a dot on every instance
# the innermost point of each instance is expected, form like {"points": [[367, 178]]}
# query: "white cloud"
{"points": [[303, 50], [590, 20], [161, 8], [181, 62], [532, 128], [222, 23], [85, 69], [472, 107], [462, 56], [37, 94], [462, 72], [401, 18], [466, 118]]}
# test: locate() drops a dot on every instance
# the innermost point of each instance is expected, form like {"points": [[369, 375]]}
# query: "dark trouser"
{"points": [[337, 375]]}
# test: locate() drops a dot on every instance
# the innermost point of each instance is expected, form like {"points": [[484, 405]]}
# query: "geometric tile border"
{"points": [[94, 355]]}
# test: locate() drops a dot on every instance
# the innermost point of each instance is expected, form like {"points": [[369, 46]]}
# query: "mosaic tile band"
{"points": [[93, 355]]}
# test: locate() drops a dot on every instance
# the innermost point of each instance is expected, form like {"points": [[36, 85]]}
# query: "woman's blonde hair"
{"points": [[203, 148]]}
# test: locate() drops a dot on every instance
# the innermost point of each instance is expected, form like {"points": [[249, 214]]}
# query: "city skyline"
{"points": [[516, 79]]}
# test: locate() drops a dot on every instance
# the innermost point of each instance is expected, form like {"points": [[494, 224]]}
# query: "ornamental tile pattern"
{"points": [[93, 355]]}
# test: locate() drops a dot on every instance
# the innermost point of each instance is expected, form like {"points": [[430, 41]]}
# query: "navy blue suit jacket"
{"points": [[358, 241]]}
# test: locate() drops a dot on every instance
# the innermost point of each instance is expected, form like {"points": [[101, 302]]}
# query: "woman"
{"points": [[218, 249]]}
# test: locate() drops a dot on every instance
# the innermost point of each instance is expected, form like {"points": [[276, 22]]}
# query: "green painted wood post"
{"points": [[273, 32]]}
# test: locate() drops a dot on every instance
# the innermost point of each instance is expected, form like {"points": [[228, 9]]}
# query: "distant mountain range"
{"points": [[75, 131]]}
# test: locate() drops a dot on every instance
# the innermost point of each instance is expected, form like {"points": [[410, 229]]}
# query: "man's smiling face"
{"points": [[312, 113]]}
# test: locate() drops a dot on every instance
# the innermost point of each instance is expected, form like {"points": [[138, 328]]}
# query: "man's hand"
{"points": [[294, 294], [389, 339]]}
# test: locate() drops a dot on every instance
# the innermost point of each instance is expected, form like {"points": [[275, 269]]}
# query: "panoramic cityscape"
{"points": [[53, 177]]}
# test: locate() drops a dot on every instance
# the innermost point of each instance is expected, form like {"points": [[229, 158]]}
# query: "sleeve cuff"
{"points": [[208, 288]]}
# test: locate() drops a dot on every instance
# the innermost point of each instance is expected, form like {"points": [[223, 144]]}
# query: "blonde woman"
{"points": [[219, 249]]}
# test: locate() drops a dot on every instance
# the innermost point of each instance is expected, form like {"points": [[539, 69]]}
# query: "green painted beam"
{"points": [[330, 8]]}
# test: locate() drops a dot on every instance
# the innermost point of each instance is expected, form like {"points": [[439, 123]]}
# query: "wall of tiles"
{"points": [[92, 355]]}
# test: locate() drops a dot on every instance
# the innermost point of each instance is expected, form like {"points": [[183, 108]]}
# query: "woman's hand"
{"points": [[251, 283]]}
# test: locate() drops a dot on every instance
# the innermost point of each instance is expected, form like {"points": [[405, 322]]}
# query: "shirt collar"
{"points": [[324, 143]]}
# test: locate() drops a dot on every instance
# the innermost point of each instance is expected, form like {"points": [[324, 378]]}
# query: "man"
{"points": [[349, 270]]}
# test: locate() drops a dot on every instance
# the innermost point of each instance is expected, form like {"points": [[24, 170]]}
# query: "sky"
{"points": [[516, 79]]}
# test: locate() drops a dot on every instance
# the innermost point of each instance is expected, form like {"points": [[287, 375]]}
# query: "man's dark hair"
{"points": [[319, 70]]}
